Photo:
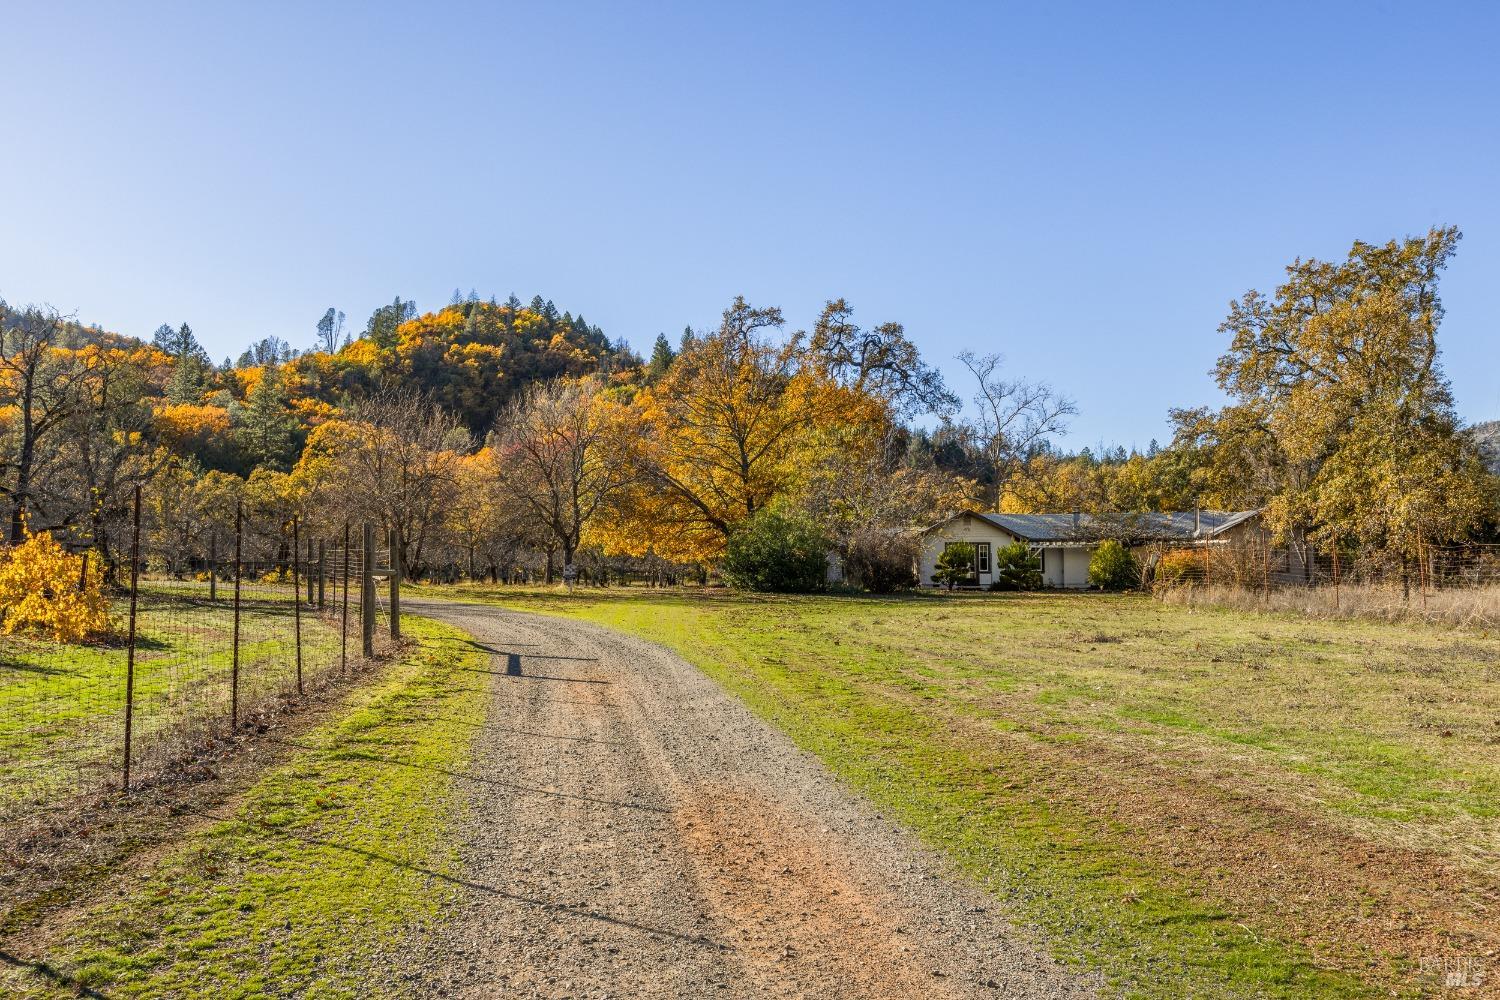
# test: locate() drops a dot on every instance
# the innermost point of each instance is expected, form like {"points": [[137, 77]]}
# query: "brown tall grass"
{"points": [[1474, 607]]}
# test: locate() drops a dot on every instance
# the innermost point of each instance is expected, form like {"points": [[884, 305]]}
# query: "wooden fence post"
{"points": [[367, 591], [322, 575], [135, 576], [213, 565]]}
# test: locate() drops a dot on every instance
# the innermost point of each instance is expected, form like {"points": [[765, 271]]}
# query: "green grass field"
{"points": [[294, 889], [1197, 802], [62, 707]]}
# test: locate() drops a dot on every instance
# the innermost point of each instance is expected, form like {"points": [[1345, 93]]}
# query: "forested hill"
{"points": [[470, 357]]}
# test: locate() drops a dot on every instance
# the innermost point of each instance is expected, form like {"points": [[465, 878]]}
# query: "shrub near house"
{"points": [[1017, 568], [1112, 567], [775, 553], [955, 565]]}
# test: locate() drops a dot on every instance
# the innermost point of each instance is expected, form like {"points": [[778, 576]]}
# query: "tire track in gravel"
{"points": [[632, 831]]}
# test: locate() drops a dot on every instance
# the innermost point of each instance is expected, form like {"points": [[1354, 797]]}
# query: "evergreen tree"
{"points": [[383, 322], [180, 343], [662, 357], [189, 379], [266, 424], [190, 362]]}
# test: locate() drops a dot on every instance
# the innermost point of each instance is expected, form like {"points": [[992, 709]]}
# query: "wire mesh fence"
{"points": [[1449, 584], [208, 636], [1256, 565]]}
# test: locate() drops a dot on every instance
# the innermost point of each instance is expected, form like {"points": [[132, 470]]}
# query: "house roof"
{"points": [[1171, 526]]}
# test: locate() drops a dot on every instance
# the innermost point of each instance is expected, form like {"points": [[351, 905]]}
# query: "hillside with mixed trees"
{"points": [[501, 437]]}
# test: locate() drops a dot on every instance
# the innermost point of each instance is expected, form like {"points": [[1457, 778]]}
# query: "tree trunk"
{"points": [[23, 481]]}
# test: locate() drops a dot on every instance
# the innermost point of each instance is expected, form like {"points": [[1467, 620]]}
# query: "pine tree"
{"points": [[188, 380], [662, 357], [180, 343], [381, 328], [190, 362], [266, 425]]}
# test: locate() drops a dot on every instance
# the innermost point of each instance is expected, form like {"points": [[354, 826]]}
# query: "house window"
{"points": [[981, 557]]}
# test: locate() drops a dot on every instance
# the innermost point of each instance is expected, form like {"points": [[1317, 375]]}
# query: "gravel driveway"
{"points": [[633, 831]]}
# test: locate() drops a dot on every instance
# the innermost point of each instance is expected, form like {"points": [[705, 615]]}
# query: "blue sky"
{"points": [[1080, 187]]}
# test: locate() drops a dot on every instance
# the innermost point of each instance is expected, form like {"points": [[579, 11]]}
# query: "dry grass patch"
{"points": [[1472, 607]]}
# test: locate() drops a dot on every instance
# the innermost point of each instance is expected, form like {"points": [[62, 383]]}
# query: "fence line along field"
{"points": [[1456, 584], [193, 648]]}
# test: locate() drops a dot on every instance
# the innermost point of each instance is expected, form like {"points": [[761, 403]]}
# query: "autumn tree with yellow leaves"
{"points": [[1341, 408], [725, 431]]}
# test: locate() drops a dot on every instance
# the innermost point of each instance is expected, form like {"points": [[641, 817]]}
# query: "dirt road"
{"points": [[634, 832]]}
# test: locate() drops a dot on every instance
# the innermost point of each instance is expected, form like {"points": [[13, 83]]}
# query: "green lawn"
{"points": [[294, 889], [1196, 802], [62, 707]]}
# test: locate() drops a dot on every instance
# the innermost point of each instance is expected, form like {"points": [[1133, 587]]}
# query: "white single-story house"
{"points": [[1066, 542]]}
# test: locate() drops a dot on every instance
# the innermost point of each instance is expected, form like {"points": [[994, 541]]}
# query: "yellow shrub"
{"points": [[1178, 565], [40, 595]]}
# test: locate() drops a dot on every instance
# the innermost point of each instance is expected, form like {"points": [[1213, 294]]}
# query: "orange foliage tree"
{"points": [[721, 435]]}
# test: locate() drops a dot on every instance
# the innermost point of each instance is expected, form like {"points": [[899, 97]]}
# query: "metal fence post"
{"points": [[1336, 572], [306, 562], [395, 586], [367, 591], [344, 629], [234, 669], [322, 574], [297, 603], [135, 577]]}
